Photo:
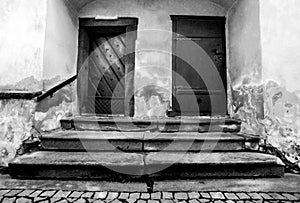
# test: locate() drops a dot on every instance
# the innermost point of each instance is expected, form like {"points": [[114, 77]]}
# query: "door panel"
{"points": [[199, 64], [106, 76]]}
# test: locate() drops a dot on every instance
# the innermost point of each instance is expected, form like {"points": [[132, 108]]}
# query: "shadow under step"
{"points": [[147, 141], [133, 166], [127, 124]]}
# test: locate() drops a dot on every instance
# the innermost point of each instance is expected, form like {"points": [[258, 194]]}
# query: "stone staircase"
{"points": [[133, 149]]}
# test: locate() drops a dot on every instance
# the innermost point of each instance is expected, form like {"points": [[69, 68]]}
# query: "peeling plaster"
{"points": [[271, 111]]}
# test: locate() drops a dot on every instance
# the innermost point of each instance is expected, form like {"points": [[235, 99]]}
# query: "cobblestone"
{"points": [[230, 196], [242, 195], [181, 195], [145, 196], [124, 195], [155, 195], [167, 195], [65, 196], [193, 195], [217, 195], [204, 195], [112, 195]]}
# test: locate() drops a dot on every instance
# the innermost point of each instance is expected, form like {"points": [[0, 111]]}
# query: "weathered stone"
{"points": [[25, 193], [203, 200], [156, 195], [141, 201], [145, 196], [62, 193], [3, 192], [116, 201], [23, 200], [12, 193], [230, 195], [167, 195], [62, 201], [87, 195], [48, 193], [8, 199], [193, 201], [217, 195], [193, 195], [254, 195], [134, 195], [289, 196], [98, 201], [55, 199], [205, 195], [265, 196], [36, 193], [166, 201], [112, 195], [40, 199], [180, 195], [81, 200], [242, 195], [152, 201], [276, 196], [131, 200], [100, 195], [75, 194]]}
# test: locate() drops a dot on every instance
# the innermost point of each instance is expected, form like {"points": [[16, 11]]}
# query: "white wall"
{"points": [[60, 52], [22, 40], [280, 27], [244, 42]]}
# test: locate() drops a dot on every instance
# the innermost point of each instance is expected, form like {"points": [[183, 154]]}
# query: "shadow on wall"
{"points": [[271, 111]]}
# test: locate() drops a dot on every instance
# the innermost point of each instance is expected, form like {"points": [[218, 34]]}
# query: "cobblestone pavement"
{"points": [[59, 196]]}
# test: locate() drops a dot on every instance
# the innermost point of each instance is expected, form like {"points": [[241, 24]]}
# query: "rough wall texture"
{"points": [[16, 120], [264, 94], [19, 119]]}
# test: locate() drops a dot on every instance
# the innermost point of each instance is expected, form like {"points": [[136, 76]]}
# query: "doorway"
{"points": [[199, 66], [106, 60]]}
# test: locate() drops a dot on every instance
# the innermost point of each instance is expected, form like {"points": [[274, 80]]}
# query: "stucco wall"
{"points": [[22, 40], [60, 52], [263, 73], [280, 33], [153, 48]]}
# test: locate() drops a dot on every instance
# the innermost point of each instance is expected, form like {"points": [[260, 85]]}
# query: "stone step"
{"points": [[133, 166], [126, 124], [147, 141]]}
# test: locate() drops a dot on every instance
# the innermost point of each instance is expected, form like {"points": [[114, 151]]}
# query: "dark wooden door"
{"points": [[106, 87], [199, 70], [105, 70]]}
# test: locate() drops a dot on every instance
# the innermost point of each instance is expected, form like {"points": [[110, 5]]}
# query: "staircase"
{"points": [[132, 149]]}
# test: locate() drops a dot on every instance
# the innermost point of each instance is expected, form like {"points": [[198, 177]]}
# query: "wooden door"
{"points": [[105, 70], [199, 70], [106, 86]]}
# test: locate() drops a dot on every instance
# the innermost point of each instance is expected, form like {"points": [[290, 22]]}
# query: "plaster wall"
{"points": [[60, 51], [22, 40], [280, 33], [245, 64], [264, 74], [153, 66]]}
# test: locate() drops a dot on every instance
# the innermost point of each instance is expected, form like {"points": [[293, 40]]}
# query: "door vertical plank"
{"points": [[82, 69]]}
